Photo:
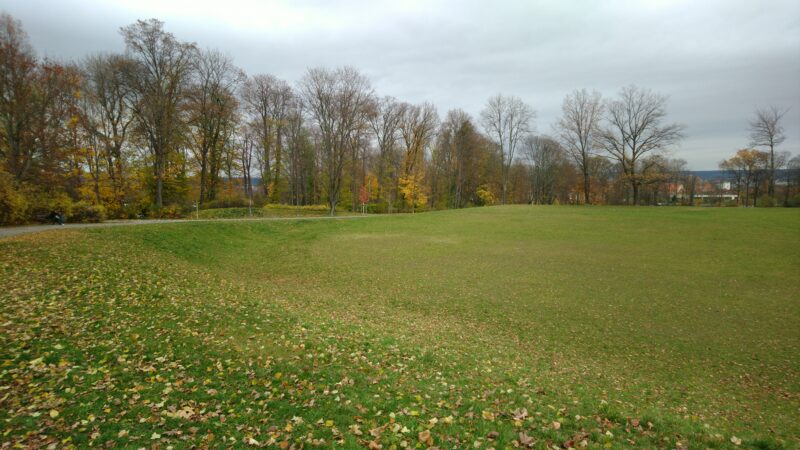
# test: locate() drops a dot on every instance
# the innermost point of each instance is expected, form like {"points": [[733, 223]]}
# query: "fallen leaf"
{"points": [[425, 437]]}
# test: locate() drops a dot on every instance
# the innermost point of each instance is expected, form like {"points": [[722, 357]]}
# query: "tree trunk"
{"points": [[586, 190], [202, 181], [276, 176], [771, 185], [159, 180]]}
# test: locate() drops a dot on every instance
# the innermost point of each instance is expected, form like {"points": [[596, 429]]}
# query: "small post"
{"points": [[197, 210]]}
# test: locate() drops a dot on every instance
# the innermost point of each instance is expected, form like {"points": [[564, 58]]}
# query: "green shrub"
{"points": [[381, 207], [765, 201], [13, 204], [318, 208], [226, 202], [171, 211], [794, 201], [730, 203], [86, 212]]}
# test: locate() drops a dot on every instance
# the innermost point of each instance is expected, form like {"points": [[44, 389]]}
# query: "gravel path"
{"points": [[27, 229]]}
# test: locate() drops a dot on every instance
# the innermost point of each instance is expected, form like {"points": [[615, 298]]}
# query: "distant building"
{"points": [[713, 185]]}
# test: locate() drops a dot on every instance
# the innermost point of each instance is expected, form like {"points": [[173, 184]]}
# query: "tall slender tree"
{"points": [[108, 116], [384, 120], [17, 96], [338, 104], [507, 120], [417, 129], [211, 106], [158, 84], [577, 130], [766, 131]]}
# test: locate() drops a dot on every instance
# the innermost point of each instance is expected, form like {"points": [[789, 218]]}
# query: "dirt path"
{"points": [[27, 229]]}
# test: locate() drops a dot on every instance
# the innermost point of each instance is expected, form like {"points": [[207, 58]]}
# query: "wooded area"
{"points": [[166, 126]]}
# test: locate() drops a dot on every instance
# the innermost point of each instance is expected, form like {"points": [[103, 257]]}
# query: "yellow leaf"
{"points": [[53, 413]]}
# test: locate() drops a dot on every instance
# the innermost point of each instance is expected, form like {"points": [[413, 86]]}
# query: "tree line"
{"points": [[165, 126], [755, 174]]}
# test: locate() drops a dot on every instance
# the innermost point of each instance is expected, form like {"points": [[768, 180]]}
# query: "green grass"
{"points": [[650, 327]]}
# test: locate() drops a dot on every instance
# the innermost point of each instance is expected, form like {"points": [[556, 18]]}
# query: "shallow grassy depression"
{"points": [[494, 327]]}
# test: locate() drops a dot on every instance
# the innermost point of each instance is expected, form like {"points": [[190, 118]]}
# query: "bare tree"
{"points": [[507, 120], [417, 127], [17, 91], [212, 109], [107, 114], [158, 82], [283, 100], [245, 143], [301, 164], [269, 101], [337, 102], [545, 157], [634, 130], [577, 130], [792, 177], [766, 131], [384, 119]]}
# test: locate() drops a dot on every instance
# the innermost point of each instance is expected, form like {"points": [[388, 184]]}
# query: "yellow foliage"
{"points": [[485, 194], [413, 190]]}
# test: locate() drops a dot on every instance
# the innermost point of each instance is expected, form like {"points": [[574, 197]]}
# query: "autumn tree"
{"points": [[745, 169], [634, 129], [337, 102], [507, 120], [158, 83], [578, 129], [417, 130], [766, 131]]}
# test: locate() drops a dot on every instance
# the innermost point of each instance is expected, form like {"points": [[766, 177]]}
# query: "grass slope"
{"points": [[493, 327]]}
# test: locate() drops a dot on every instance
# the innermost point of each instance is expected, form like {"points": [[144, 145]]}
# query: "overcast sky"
{"points": [[717, 61]]}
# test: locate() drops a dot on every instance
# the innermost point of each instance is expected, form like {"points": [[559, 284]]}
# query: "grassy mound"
{"points": [[267, 211], [494, 327]]}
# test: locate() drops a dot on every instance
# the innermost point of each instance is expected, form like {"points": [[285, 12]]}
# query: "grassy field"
{"points": [[498, 327]]}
